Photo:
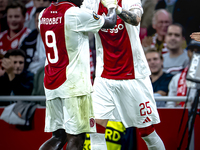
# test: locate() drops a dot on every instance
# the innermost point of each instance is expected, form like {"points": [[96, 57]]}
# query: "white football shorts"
{"points": [[129, 101], [74, 114]]}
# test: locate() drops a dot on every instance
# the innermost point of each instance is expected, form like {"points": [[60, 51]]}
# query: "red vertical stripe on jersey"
{"points": [[55, 72], [118, 58]]}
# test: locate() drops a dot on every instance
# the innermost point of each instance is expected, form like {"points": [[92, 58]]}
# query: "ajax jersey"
{"points": [[64, 30], [119, 52]]}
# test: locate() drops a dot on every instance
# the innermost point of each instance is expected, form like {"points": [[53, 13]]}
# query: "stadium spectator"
{"points": [[122, 76], [29, 11], [149, 9], [178, 84], [34, 48], [159, 79], [160, 22], [146, 20], [3, 19], [30, 22], [176, 59], [69, 111], [12, 38], [16, 80]]}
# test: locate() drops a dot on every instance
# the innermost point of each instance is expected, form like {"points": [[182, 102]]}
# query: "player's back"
{"points": [[64, 30], [53, 35]]}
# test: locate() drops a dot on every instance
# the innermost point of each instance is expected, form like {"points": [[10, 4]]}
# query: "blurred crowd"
{"points": [[165, 31]]}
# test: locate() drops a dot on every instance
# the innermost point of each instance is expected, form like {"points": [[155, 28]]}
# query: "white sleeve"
{"points": [[134, 4], [91, 4], [84, 20]]}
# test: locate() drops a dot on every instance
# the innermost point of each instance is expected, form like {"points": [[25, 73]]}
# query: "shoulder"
{"points": [[41, 13], [26, 30], [80, 14], [3, 33], [79, 11], [168, 75], [32, 36], [91, 4], [176, 77], [166, 55], [27, 74]]}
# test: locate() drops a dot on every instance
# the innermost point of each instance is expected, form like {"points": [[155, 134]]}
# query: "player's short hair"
{"points": [[154, 50], [15, 52], [16, 4]]}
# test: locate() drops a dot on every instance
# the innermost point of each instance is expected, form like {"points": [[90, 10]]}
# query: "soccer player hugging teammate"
{"points": [[64, 28], [122, 87]]}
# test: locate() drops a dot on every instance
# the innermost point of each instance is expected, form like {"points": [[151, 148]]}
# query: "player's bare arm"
{"points": [[133, 16], [195, 36], [110, 19]]}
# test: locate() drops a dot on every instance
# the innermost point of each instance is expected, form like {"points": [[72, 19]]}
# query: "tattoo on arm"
{"points": [[132, 17]]}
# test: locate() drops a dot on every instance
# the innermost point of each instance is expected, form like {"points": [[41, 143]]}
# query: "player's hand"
{"points": [[195, 36], [109, 3]]}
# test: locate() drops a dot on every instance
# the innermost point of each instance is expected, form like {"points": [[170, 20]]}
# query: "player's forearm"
{"points": [[110, 19], [132, 17]]}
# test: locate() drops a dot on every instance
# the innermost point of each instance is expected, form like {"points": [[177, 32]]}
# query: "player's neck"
{"points": [[12, 33], [160, 38], [176, 52], [156, 76]]}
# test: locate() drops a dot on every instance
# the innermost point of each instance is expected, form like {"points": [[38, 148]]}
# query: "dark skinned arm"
{"points": [[110, 19]]}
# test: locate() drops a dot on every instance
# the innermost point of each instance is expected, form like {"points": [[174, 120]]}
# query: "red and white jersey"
{"points": [[7, 43], [30, 10], [64, 30], [119, 51]]}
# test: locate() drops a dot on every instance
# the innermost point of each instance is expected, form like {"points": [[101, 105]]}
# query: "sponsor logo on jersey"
{"points": [[96, 17], [115, 29]]}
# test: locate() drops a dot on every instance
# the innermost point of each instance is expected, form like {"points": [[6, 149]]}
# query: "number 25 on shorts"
{"points": [[144, 111]]}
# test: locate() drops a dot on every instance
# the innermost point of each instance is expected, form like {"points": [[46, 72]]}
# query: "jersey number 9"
{"points": [[51, 45]]}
